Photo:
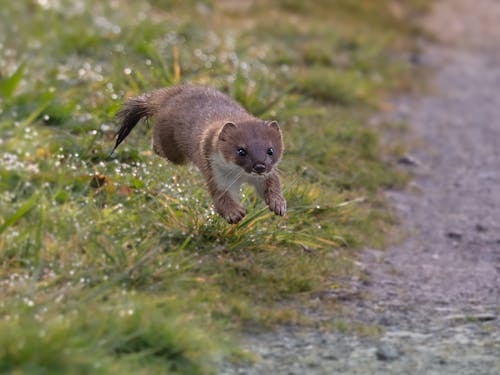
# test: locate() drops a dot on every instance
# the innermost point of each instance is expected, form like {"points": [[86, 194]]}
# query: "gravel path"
{"points": [[437, 295]]}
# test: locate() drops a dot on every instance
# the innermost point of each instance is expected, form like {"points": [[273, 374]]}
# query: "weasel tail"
{"points": [[136, 108], [133, 110]]}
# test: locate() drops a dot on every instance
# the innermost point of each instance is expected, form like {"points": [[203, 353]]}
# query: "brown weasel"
{"points": [[228, 145]]}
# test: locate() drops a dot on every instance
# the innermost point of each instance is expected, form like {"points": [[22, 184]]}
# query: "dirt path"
{"points": [[437, 295], [454, 253]]}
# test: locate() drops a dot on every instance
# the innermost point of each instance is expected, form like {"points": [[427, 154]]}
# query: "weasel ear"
{"points": [[274, 124], [228, 126]]}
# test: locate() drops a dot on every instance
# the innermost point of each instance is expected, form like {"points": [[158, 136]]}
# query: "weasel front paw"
{"points": [[234, 215], [231, 211], [277, 204]]}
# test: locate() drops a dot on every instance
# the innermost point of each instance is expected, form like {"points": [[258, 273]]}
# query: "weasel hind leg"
{"points": [[164, 145]]}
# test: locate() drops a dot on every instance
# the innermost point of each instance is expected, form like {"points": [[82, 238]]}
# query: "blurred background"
{"points": [[119, 263]]}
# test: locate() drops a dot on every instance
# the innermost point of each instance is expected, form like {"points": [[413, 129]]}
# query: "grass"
{"points": [[120, 264]]}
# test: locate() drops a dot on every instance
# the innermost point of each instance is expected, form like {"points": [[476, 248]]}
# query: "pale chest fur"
{"points": [[229, 176]]}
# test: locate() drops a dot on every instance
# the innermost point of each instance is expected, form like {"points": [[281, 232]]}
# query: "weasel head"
{"points": [[255, 146]]}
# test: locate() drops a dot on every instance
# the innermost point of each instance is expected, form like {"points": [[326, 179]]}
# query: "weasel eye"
{"points": [[270, 151], [242, 152]]}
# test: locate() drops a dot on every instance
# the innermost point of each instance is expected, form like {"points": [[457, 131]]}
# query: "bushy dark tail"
{"points": [[133, 110], [142, 106]]}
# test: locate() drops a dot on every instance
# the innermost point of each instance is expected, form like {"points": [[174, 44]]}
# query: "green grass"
{"points": [[120, 265]]}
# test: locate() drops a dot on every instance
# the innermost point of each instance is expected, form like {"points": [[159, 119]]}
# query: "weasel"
{"points": [[228, 145]]}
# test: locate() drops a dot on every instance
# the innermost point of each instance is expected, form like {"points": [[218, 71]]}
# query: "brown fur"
{"points": [[203, 126]]}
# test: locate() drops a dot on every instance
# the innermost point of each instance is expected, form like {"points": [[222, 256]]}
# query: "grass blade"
{"points": [[9, 84], [32, 117], [23, 210]]}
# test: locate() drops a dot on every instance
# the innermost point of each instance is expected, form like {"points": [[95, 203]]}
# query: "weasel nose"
{"points": [[259, 168]]}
